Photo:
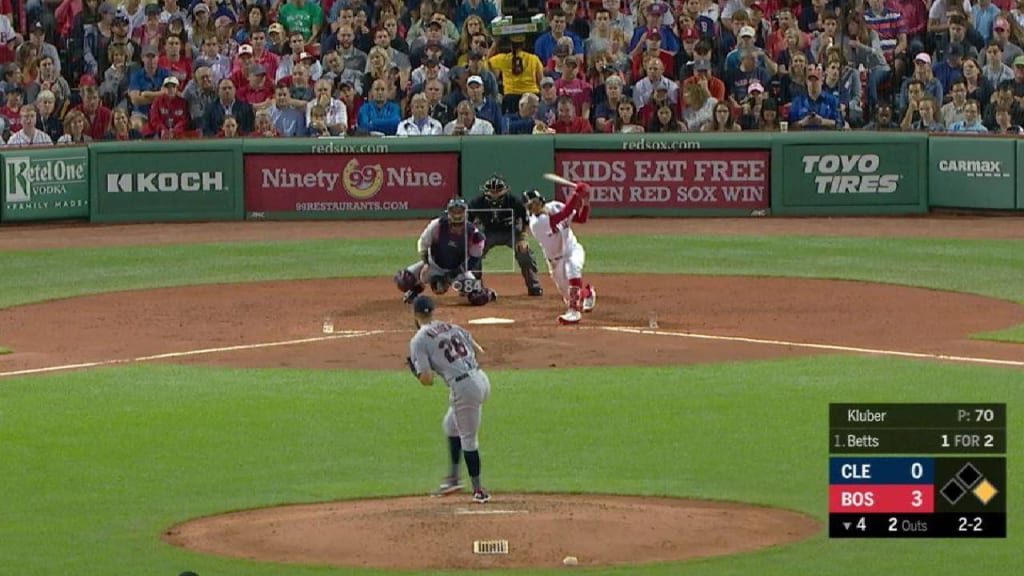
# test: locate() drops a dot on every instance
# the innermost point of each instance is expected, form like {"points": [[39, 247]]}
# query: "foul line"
{"points": [[813, 346], [335, 336]]}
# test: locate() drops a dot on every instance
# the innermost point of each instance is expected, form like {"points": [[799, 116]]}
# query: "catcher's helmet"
{"points": [[531, 195], [456, 210]]}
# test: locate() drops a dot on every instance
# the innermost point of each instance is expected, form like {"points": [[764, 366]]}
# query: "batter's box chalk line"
{"points": [[814, 346]]}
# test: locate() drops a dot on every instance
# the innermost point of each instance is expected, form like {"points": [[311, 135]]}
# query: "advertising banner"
{"points": [[831, 175], [658, 182], [283, 186], [973, 172], [45, 184], [157, 181]]}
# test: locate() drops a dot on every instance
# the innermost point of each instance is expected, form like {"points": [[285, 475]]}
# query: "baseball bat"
{"points": [[559, 180], [478, 347]]}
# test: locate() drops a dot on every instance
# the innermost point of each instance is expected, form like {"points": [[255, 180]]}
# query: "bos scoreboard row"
{"points": [[917, 471]]}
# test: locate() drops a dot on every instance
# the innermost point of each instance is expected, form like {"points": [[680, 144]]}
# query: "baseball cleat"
{"points": [[449, 486], [480, 496], [535, 291], [570, 317], [591, 300]]}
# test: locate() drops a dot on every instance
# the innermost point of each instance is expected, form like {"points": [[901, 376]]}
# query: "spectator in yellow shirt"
{"points": [[519, 71]]}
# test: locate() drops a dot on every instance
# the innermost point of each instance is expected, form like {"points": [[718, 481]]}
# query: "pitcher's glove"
{"points": [[412, 367]]}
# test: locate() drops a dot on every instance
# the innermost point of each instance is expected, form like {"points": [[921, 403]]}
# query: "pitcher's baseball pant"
{"points": [[465, 403]]}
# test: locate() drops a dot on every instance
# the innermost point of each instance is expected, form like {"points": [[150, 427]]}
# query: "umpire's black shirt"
{"points": [[496, 221]]}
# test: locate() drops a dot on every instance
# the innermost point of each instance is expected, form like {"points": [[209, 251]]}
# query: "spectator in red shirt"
{"points": [[175, 61], [567, 122], [168, 117], [652, 47], [97, 116], [12, 107], [152, 30], [240, 71], [258, 91], [702, 75]]}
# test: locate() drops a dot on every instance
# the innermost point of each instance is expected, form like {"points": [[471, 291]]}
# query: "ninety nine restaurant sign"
{"points": [[678, 179], [337, 185]]}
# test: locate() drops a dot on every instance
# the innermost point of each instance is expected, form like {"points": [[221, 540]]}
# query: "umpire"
{"points": [[502, 217]]}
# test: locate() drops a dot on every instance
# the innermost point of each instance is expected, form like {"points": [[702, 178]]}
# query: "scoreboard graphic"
{"points": [[917, 471]]}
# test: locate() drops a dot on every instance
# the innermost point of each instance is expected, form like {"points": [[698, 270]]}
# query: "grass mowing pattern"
{"points": [[171, 443]]}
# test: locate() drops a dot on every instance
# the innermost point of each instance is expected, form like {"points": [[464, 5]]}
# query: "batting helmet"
{"points": [[456, 210], [531, 195]]}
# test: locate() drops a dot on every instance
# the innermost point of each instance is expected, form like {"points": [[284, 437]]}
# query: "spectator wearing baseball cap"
{"points": [[151, 30], [817, 109], [702, 75], [37, 37], [736, 81], [259, 91], [146, 83], [949, 68], [170, 116], [655, 21], [745, 43], [1001, 35], [651, 48], [922, 72], [574, 86]]}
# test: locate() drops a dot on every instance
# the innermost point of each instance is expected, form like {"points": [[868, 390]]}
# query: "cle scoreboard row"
{"points": [[917, 471]]}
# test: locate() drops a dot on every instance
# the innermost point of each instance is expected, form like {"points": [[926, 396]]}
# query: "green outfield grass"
{"points": [[88, 491], [97, 463]]}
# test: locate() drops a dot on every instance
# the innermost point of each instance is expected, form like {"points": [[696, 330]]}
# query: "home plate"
{"points": [[492, 320]]}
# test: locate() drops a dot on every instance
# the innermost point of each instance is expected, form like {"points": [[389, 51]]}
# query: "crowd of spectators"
{"points": [[76, 71]]}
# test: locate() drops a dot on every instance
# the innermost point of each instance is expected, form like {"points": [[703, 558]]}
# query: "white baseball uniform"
{"points": [[553, 230]]}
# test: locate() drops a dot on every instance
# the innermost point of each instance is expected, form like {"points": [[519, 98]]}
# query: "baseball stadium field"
{"points": [[161, 377]]}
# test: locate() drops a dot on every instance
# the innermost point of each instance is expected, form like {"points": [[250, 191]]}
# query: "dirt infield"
{"points": [[278, 324], [421, 533]]}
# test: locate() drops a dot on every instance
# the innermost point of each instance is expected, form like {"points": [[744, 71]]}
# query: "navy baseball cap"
{"points": [[423, 304]]}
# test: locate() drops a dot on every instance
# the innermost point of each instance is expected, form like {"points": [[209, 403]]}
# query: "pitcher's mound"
{"points": [[541, 530]]}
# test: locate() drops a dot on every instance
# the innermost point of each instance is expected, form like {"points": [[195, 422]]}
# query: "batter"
{"points": [[551, 224]]}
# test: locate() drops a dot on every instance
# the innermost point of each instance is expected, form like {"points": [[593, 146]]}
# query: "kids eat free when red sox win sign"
{"points": [[680, 179]]}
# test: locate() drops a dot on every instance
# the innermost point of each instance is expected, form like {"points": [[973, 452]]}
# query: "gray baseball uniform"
{"points": [[448, 350]]}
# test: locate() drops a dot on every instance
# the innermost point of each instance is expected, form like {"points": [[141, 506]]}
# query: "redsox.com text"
{"points": [[645, 144], [335, 147]]}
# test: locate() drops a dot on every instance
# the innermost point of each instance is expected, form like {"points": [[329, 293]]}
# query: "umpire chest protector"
{"points": [[499, 214]]}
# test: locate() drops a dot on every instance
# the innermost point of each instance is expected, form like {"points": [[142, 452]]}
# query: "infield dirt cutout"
{"points": [[423, 533]]}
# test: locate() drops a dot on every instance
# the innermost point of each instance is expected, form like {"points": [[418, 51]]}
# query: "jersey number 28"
{"points": [[454, 348]]}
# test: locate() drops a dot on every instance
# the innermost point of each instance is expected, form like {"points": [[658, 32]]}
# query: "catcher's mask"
{"points": [[457, 211], [495, 187]]}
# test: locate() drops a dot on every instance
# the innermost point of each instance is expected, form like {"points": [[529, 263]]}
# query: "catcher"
{"points": [[502, 217], [449, 248]]}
